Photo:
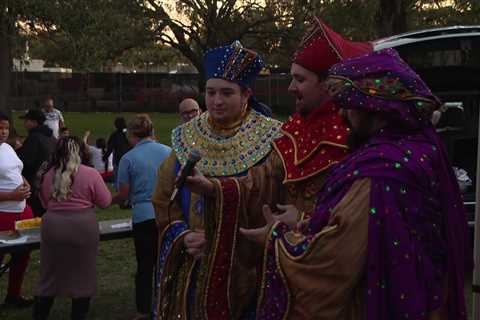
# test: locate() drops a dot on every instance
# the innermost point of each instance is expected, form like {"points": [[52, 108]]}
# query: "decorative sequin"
{"points": [[315, 147], [226, 156], [170, 235]]}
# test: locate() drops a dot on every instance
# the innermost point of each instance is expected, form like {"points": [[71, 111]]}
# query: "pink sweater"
{"points": [[88, 191]]}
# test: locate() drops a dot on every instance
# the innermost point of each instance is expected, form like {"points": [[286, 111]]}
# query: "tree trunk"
{"points": [[392, 17], [196, 59], [201, 81], [6, 33]]}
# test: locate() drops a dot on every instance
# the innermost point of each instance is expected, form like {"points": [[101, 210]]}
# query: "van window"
{"points": [[453, 52]]}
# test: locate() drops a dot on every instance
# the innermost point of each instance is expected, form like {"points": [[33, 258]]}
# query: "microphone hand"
{"points": [[200, 184], [186, 170]]}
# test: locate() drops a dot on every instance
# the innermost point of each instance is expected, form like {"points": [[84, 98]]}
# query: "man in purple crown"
{"points": [[388, 238]]}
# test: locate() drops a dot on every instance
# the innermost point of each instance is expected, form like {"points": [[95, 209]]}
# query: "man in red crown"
{"points": [[314, 137]]}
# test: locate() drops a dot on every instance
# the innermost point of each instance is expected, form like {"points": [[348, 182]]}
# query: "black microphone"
{"points": [[192, 160]]}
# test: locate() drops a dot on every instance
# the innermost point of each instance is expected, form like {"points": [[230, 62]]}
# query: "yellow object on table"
{"points": [[28, 224]]}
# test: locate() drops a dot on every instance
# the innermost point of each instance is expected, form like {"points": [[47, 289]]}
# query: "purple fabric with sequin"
{"points": [[383, 82], [417, 224]]}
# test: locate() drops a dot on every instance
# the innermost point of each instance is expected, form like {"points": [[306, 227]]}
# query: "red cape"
{"points": [[311, 145]]}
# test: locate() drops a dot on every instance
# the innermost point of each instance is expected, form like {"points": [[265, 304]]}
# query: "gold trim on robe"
{"points": [[226, 155]]}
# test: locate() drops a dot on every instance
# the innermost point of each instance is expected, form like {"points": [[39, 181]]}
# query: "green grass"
{"points": [[100, 124], [116, 259], [115, 269]]}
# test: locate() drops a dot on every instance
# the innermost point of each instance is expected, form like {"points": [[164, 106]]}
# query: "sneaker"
{"points": [[17, 302]]}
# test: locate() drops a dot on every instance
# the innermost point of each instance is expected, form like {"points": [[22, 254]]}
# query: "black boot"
{"points": [[80, 308], [17, 302], [41, 307]]}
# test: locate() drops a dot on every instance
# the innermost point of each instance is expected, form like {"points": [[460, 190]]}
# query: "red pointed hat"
{"points": [[321, 48]]}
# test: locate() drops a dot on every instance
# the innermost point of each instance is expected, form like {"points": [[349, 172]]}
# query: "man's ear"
{"points": [[247, 93]]}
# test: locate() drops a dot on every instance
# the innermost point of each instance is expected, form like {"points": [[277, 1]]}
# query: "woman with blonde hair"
{"points": [[69, 191]]}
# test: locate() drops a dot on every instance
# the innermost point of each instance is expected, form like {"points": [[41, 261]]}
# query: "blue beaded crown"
{"points": [[234, 63]]}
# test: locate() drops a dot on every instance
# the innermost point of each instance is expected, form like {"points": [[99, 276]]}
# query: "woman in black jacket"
{"points": [[36, 149]]}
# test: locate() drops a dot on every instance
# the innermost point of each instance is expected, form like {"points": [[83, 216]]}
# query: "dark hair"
{"points": [[243, 88], [4, 117], [120, 123], [101, 143], [64, 129]]}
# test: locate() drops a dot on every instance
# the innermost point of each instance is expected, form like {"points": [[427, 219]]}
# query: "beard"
{"points": [[356, 139], [361, 134]]}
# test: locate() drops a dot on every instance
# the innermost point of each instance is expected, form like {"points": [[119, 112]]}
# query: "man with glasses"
{"points": [[188, 109]]}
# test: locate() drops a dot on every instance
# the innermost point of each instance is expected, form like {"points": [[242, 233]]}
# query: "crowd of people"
{"points": [[63, 180], [348, 210]]}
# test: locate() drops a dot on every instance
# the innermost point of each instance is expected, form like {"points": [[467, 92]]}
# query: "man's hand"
{"points": [[122, 196], [302, 226], [195, 243], [199, 184], [289, 215]]}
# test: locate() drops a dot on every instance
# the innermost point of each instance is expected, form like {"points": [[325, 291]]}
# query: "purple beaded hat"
{"points": [[382, 82]]}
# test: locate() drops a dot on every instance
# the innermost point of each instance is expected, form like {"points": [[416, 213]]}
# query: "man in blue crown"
{"points": [[205, 269]]}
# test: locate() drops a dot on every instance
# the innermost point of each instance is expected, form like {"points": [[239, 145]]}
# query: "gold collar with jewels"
{"points": [[226, 155]]}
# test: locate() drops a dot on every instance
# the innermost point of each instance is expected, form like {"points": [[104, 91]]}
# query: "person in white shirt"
{"points": [[96, 155], [54, 118], [14, 190]]}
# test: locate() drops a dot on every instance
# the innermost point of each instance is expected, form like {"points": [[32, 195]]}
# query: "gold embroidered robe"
{"points": [[222, 284]]}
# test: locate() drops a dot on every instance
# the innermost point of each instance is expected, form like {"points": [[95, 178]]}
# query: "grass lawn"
{"points": [[115, 268], [100, 124], [116, 259]]}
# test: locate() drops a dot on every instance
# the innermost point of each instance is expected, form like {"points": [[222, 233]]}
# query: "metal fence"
{"points": [[137, 92]]}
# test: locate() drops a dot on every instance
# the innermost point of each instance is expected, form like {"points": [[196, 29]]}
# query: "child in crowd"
{"points": [[97, 152]]}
